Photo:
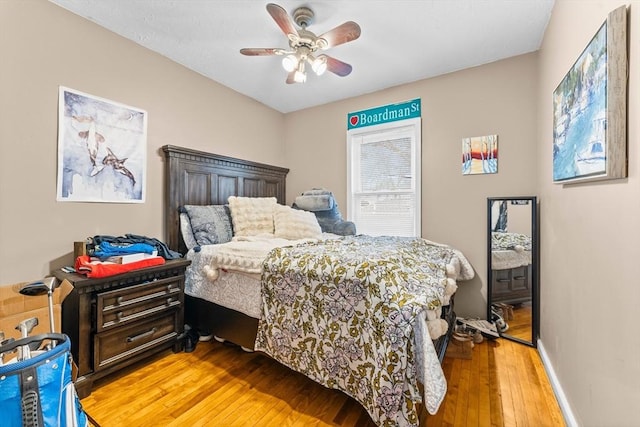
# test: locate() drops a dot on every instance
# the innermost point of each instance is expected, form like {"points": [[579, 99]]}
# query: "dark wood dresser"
{"points": [[118, 320], [511, 286]]}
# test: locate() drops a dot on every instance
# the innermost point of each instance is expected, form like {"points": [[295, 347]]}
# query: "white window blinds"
{"points": [[384, 190]]}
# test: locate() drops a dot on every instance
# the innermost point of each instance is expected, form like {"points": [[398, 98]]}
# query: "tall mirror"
{"points": [[512, 258]]}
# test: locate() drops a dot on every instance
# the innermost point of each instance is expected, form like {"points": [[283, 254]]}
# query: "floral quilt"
{"points": [[510, 241], [344, 313]]}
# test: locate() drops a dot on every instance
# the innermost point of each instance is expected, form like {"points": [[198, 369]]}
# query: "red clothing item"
{"points": [[100, 269]]}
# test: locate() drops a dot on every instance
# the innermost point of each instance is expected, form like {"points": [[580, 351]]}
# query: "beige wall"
{"points": [[498, 98], [589, 250], [43, 46], [588, 232]]}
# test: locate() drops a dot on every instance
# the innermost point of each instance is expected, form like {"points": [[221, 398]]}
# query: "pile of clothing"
{"points": [[105, 254]]}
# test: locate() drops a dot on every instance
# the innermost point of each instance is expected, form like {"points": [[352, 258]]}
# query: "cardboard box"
{"points": [[15, 307]]}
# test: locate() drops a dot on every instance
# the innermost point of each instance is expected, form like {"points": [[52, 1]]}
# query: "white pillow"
{"points": [[252, 216], [294, 224]]}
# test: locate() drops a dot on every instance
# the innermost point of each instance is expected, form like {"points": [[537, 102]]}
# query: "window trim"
{"points": [[354, 136]]}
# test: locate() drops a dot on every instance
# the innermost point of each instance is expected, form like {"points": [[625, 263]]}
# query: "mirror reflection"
{"points": [[512, 269]]}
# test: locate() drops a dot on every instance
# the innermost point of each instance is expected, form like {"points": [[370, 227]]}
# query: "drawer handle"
{"points": [[169, 301], [142, 335], [519, 277], [169, 287], [503, 280], [119, 316], [119, 300]]}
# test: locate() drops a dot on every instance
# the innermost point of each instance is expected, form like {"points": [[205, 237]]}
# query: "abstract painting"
{"points": [[589, 109], [102, 148], [480, 155], [579, 114]]}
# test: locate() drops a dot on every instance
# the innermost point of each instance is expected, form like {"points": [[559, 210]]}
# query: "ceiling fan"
{"points": [[304, 45]]}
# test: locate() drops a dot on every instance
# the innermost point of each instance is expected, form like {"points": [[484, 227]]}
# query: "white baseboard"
{"points": [[557, 388]]}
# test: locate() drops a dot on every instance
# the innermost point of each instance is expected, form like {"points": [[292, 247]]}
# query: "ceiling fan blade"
{"points": [[282, 19], [259, 51], [290, 79], [344, 33], [338, 67]]}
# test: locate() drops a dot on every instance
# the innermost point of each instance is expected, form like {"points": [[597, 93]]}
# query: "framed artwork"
{"points": [[480, 155], [590, 109], [102, 148]]}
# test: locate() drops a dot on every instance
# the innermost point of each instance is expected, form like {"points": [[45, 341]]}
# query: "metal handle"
{"points": [[503, 280], [169, 301], [119, 315], [519, 277], [142, 335], [119, 300]]}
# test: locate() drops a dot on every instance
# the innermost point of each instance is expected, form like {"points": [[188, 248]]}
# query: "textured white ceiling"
{"points": [[402, 40]]}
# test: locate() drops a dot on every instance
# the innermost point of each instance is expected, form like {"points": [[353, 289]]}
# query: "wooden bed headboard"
{"points": [[198, 178]]}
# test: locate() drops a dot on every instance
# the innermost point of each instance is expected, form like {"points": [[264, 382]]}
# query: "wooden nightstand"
{"points": [[118, 320], [511, 286]]}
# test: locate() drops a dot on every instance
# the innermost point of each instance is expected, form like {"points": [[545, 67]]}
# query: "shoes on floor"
{"points": [[499, 321], [487, 329], [191, 339], [460, 346], [474, 334], [477, 337], [504, 310], [205, 338]]}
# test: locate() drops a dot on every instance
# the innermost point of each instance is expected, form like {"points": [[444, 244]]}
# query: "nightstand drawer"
{"points": [[123, 306], [117, 320], [122, 343], [501, 281]]}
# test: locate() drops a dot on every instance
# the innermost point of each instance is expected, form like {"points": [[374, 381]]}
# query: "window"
{"points": [[383, 190]]}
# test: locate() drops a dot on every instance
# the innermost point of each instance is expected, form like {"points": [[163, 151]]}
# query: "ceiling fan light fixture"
{"points": [[319, 65], [290, 62], [304, 43], [300, 76]]}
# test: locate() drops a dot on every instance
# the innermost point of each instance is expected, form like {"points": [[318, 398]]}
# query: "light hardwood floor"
{"points": [[520, 324], [504, 384]]}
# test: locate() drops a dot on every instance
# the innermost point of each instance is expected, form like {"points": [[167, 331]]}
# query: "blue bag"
{"points": [[39, 391]]}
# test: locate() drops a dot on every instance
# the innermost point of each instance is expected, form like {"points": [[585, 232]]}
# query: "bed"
{"points": [[511, 267], [287, 325], [510, 250]]}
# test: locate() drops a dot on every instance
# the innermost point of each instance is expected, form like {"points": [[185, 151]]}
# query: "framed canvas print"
{"points": [[480, 155], [102, 148], [590, 109]]}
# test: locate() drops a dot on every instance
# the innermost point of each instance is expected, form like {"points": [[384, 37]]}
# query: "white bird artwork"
{"points": [[98, 149]]}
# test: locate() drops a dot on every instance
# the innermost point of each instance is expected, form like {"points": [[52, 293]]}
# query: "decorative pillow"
{"points": [[187, 233], [210, 224], [293, 224], [252, 216]]}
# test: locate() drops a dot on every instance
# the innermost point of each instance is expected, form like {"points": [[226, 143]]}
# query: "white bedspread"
{"points": [[228, 274], [507, 259], [245, 254]]}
